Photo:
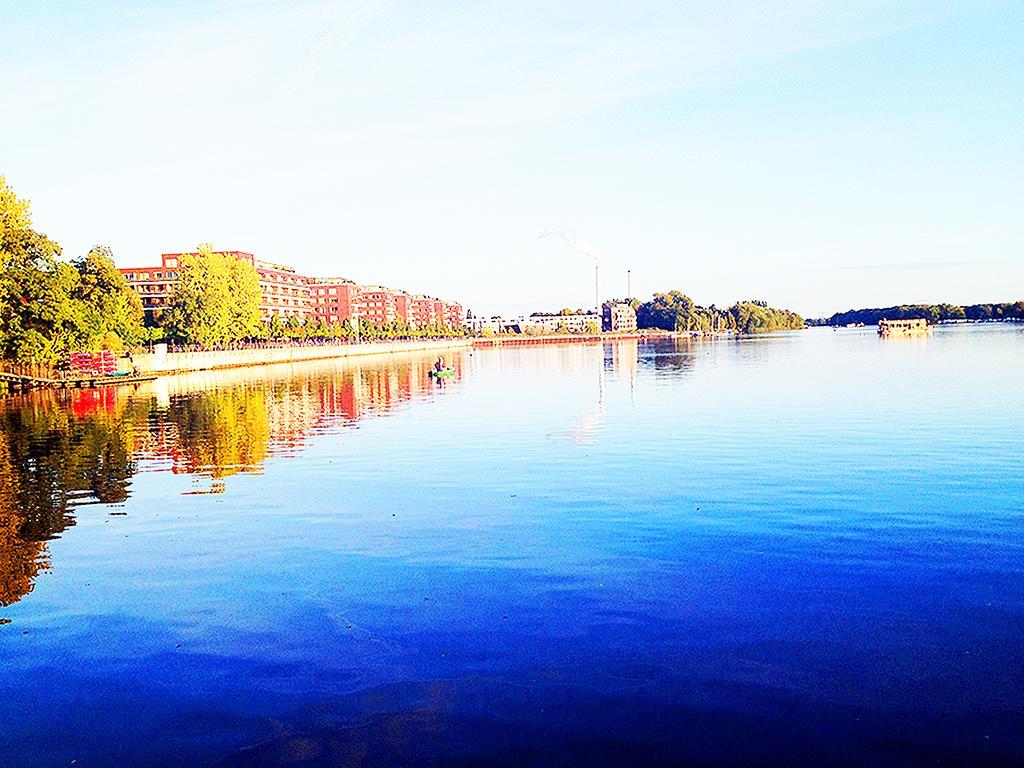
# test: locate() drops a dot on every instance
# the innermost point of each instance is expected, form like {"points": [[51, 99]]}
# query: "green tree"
{"points": [[39, 320], [109, 312], [203, 306], [153, 334], [758, 317], [293, 328], [275, 329], [217, 299], [675, 311], [670, 311], [246, 322]]}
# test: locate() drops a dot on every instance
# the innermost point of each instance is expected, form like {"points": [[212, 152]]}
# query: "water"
{"points": [[806, 548]]}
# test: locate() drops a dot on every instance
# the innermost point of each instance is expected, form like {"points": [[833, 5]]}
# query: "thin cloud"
{"points": [[334, 42]]}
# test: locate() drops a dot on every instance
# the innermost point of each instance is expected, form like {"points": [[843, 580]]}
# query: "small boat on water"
{"points": [[443, 373], [916, 326]]}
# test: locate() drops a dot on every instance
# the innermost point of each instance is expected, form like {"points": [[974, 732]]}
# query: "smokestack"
{"points": [[586, 250]]}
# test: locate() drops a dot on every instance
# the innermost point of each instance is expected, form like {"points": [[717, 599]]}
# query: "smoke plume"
{"points": [[578, 245]]}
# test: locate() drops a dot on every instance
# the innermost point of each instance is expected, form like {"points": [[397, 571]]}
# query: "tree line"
{"points": [[933, 313], [675, 311]]}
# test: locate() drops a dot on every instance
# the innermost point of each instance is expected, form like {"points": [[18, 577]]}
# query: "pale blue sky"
{"points": [[819, 155]]}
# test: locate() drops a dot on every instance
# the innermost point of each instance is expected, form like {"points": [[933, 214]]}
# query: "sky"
{"points": [[820, 155]]}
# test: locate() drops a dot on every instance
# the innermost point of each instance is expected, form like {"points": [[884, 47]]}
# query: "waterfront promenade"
{"points": [[160, 362]]}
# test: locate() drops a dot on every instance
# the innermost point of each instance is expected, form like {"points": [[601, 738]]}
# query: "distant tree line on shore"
{"points": [[675, 311], [933, 313]]}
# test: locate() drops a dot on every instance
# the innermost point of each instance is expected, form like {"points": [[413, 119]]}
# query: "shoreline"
{"points": [[167, 363], [150, 364]]}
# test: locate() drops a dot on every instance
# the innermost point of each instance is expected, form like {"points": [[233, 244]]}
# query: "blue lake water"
{"points": [[798, 549]]}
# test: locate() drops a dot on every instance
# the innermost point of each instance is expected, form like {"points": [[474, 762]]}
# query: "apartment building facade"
{"points": [[376, 304], [588, 322], [333, 299], [454, 316], [287, 294], [619, 318]]}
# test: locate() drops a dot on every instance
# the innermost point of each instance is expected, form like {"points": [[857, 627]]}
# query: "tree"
{"points": [[675, 311], [110, 311], [758, 317], [670, 311], [203, 307], [49, 307], [217, 299], [368, 330], [246, 322], [153, 334], [274, 327], [293, 328], [34, 286]]}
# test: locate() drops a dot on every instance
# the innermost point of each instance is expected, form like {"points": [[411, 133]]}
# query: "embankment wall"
{"points": [[173, 362]]}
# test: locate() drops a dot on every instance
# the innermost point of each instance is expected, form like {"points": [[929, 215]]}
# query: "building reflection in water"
{"points": [[63, 449]]}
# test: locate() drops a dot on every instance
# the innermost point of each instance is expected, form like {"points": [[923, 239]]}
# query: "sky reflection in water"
{"points": [[805, 548]]}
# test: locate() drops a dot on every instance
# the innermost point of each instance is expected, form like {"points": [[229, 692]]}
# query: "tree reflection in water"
{"points": [[57, 450], [63, 449]]}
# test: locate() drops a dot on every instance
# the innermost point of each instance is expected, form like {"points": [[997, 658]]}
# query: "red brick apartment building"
{"points": [[454, 317], [403, 307], [421, 311], [376, 305], [333, 299], [286, 293]]}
